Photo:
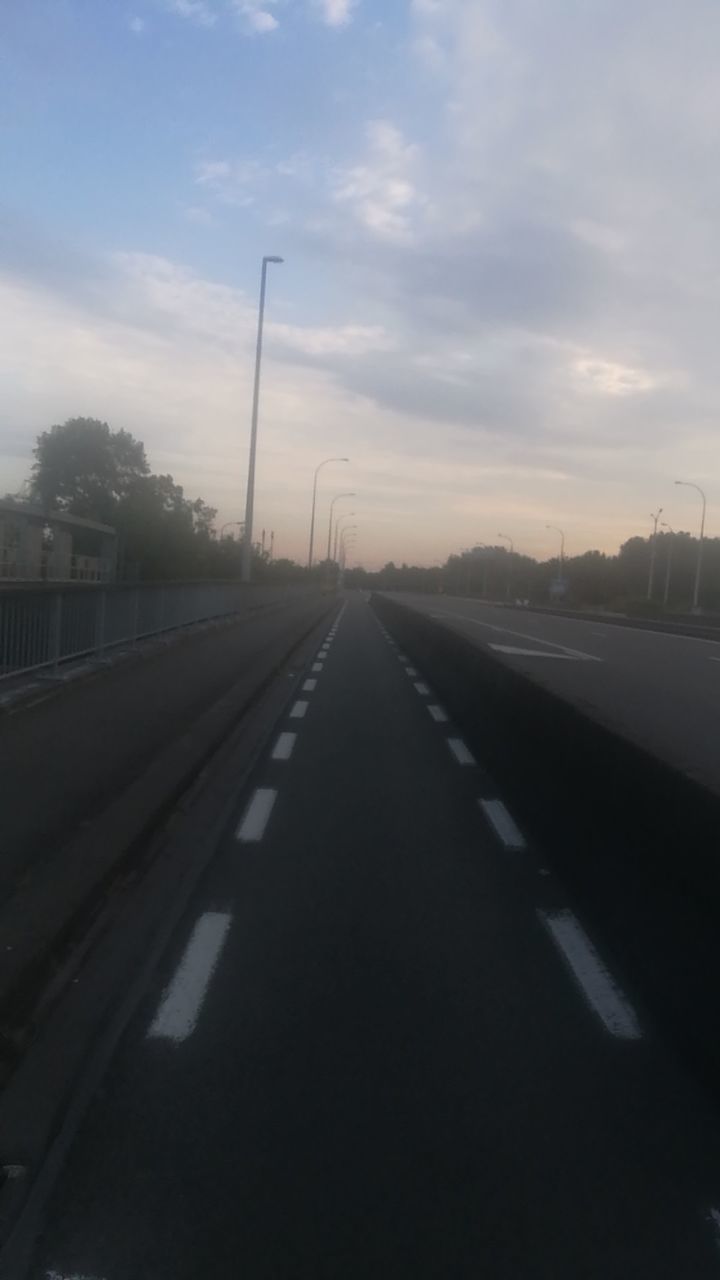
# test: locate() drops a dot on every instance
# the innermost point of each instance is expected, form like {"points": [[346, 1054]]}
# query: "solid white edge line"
{"points": [[309, 686], [183, 998], [422, 688], [503, 824], [597, 985], [283, 748], [252, 825], [461, 753], [299, 709], [439, 714]]}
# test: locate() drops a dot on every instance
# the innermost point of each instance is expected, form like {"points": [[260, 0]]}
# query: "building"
{"points": [[42, 546]]}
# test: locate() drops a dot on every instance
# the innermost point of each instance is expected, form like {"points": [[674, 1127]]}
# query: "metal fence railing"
{"points": [[40, 629]]}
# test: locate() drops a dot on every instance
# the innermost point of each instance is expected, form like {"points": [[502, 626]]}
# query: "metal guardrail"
{"points": [[42, 629]]}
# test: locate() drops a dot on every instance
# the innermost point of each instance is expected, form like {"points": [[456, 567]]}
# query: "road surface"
{"points": [[382, 1042], [660, 691]]}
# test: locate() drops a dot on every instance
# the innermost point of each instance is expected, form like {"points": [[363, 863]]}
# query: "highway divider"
{"points": [[636, 842]]}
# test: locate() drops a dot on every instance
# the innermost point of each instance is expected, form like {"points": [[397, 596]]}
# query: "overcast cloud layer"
{"points": [[500, 224]]}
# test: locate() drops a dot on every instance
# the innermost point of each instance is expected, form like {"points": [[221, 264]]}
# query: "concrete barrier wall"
{"points": [[637, 843]]}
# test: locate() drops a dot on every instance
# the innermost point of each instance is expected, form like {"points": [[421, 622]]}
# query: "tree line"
{"points": [[84, 468], [593, 579]]}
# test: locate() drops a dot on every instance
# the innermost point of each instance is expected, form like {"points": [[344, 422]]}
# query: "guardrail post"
{"points": [[100, 623], [56, 633]]}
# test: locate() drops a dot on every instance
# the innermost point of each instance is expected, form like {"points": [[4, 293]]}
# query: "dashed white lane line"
{"points": [[422, 688], [410, 671], [503, 824], [460, 751], [309, 686], [299, 709], [182, 1000], [439, 715], [316, 666], [403, 657], [284, 746], [604, 997], [253, 824]]}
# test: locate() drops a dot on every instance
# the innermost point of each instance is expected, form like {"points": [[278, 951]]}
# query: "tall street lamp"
{"points": [[654, 516], [338, 524], [347, 542], [555, 529], [250, 497], [506, 538], [696, 594], [312, 517], [668, 567], [337, 498]]}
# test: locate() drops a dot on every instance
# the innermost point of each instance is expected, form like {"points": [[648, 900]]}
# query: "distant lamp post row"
{"points": [[696, 593], [314, 500]]}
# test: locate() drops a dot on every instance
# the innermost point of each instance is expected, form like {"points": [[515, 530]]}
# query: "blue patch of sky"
{"points": [[103, 129]]}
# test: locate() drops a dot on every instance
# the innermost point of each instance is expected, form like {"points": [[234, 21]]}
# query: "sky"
{"points": [[500, 221]]}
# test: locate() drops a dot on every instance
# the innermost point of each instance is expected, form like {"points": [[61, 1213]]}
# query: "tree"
{"points": [[86, 469]]}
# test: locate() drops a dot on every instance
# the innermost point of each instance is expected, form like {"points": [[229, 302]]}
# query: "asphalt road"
{"points": [[660, 691], [382, 1043]]}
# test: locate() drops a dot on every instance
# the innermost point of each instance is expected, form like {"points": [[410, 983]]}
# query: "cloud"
{"points": [[137, 25], [255, 16], [380, 191], [199, 216], [336, 13], [196, 11], [232, 182]]}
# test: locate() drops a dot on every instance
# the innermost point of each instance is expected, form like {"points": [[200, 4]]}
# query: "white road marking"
{"points": [[283, 748], [66, 1275], [460, 751], [402, 658], [438, 714], [531, 653], [182, 1000], [317, 666], [422, 688], [597, 985], [299, 709], [309, 686], [503, 824], [713, 1216], [253, 824], [410, 671], [552, 644]]}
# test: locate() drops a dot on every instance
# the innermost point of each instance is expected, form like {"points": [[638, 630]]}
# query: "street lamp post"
{"points": [[227, 525], [250, 496], [654, 516], [337, 498], [345, 543], [668, 567], [312, 517], [696, 594], [555, 529], [338, 523], [506, 537]]}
